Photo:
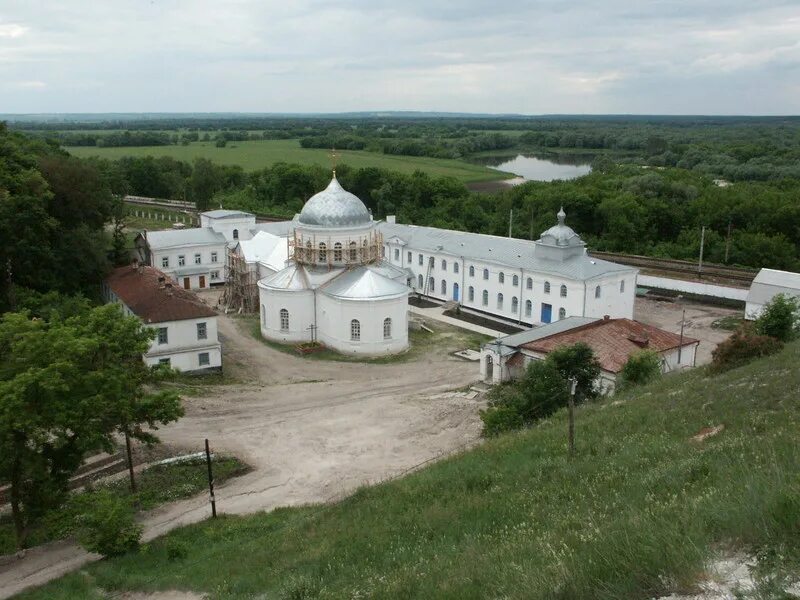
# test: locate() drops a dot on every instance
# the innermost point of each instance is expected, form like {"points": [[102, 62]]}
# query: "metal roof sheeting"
{"points": [[174, 238], [771, 282], [226, 214], [362, 283]]}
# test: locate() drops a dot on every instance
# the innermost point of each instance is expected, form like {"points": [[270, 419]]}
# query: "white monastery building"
{"points": [[186, 328], [612, 340], [342, 277], [768, 284], [336, 289]]}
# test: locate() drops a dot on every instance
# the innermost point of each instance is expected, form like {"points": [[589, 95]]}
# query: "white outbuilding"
{"points": [[768, 284], [336, 290]]}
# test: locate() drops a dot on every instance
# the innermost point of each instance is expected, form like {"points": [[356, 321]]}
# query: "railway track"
{"points": [[736, 276]]}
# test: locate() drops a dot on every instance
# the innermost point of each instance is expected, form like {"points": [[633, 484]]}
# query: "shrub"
{"points": [[743, 346], [176, 550], [499, 419], [105, 523], [780, 318], [642, 367]]}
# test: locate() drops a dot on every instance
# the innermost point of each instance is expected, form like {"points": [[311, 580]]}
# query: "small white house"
{"points": [[186, 328], [612, 340], [768, 284]]}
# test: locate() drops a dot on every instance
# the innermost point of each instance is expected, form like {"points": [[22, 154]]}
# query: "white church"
{"points": [[335, 275]]}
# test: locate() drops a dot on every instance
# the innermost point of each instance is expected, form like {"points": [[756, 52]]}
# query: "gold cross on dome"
{"points": [[333, 156]]}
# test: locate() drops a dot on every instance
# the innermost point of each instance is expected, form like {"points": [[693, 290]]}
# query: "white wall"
{"points": [[227, 225], [619, 305], [335, 315], [208, 266], [299, 303], [183, 347], [693, 287]]}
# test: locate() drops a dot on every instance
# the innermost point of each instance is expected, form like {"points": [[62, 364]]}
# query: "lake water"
{"points": [[535, 168]]}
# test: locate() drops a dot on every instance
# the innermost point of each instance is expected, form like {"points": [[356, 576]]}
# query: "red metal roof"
{"points": [[613, 341], [154, 301]]}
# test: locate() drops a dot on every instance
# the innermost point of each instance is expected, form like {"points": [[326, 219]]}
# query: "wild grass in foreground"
{"points": [[637, 512]]}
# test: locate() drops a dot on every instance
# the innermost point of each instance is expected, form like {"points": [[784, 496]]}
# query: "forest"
{"points": [[655, 181]]}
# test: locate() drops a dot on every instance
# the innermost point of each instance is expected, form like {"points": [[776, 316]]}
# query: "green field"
{"points": [[639, 511], [259, 154]]}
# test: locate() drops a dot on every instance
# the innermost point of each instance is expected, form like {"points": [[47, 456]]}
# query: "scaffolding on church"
{"points": [[319, 251], [241, 285]]}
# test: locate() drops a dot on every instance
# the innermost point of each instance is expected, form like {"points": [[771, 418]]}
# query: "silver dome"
{"points": [[334, 207], [561, 234]]}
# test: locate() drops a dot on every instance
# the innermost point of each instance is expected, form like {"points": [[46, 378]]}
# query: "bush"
{"points": [[499, 419], [105, 523], [742, 347], [642, 367], [780, 318], [176, 550]]}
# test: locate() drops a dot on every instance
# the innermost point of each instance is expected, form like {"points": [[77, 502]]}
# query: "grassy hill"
{"points": [[259, 154], [636, 513]]}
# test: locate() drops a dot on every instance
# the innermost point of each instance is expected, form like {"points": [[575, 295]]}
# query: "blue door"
{"points": [[547, 313], [455, 292]]}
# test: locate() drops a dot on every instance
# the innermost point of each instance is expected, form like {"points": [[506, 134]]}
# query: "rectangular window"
{"points": [[162, 335], [164, 361], [197, 259], [214, 274], [164, 261], [213, 257], [420, 259], [202, 331], [181, 260], [409, 258], [203, 359]]}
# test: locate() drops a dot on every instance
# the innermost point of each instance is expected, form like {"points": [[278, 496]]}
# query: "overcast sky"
{"points": [[548, 56]]}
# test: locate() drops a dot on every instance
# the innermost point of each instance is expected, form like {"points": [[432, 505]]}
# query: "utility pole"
{"points": [[130, 462], [680, 343], [728, 240], [210, 482], [702, 245], [510, 221], [573, 384]]}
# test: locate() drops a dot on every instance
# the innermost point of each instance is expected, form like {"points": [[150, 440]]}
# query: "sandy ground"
{"points": [[312, 430], [699, 317]]}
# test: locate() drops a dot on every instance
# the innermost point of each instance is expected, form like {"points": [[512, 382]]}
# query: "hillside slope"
{"points": [[636, 514]]}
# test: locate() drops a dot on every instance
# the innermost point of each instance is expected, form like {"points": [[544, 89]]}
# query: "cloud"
{"points": [[458, 55]]}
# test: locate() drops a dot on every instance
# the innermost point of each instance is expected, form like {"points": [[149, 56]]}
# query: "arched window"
{"points": [[515, 281], [499, 301], [337, 252], [323, 252], [563, 291], [456, 292], [471, 294], [309, 252], [562, 313], [546, 287], [622, 287], [263, 315], [597, 292], [364, 255], [528, 308], [284, 319], [514, 305], [529, 283], [420, 282], [444, 265], [387, 328], [485, 298], [419, 262], [501, 278], [431, 286], [455, 267], [443, 288], [355, 330], [236, 234], [486, 273], [397, 253], [471, 271], [353, 251]]}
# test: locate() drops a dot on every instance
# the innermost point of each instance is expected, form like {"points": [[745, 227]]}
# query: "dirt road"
{"points": [[312, 430]]}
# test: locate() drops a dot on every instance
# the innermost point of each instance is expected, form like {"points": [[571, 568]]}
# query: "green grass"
{"points": [[444, 339], [729, 323], [259, 154], [156, 485], [636, 513]]}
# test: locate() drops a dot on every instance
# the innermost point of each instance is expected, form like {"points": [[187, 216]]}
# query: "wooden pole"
{"points": [[210, 482], [573, 383], [130, 462]]}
